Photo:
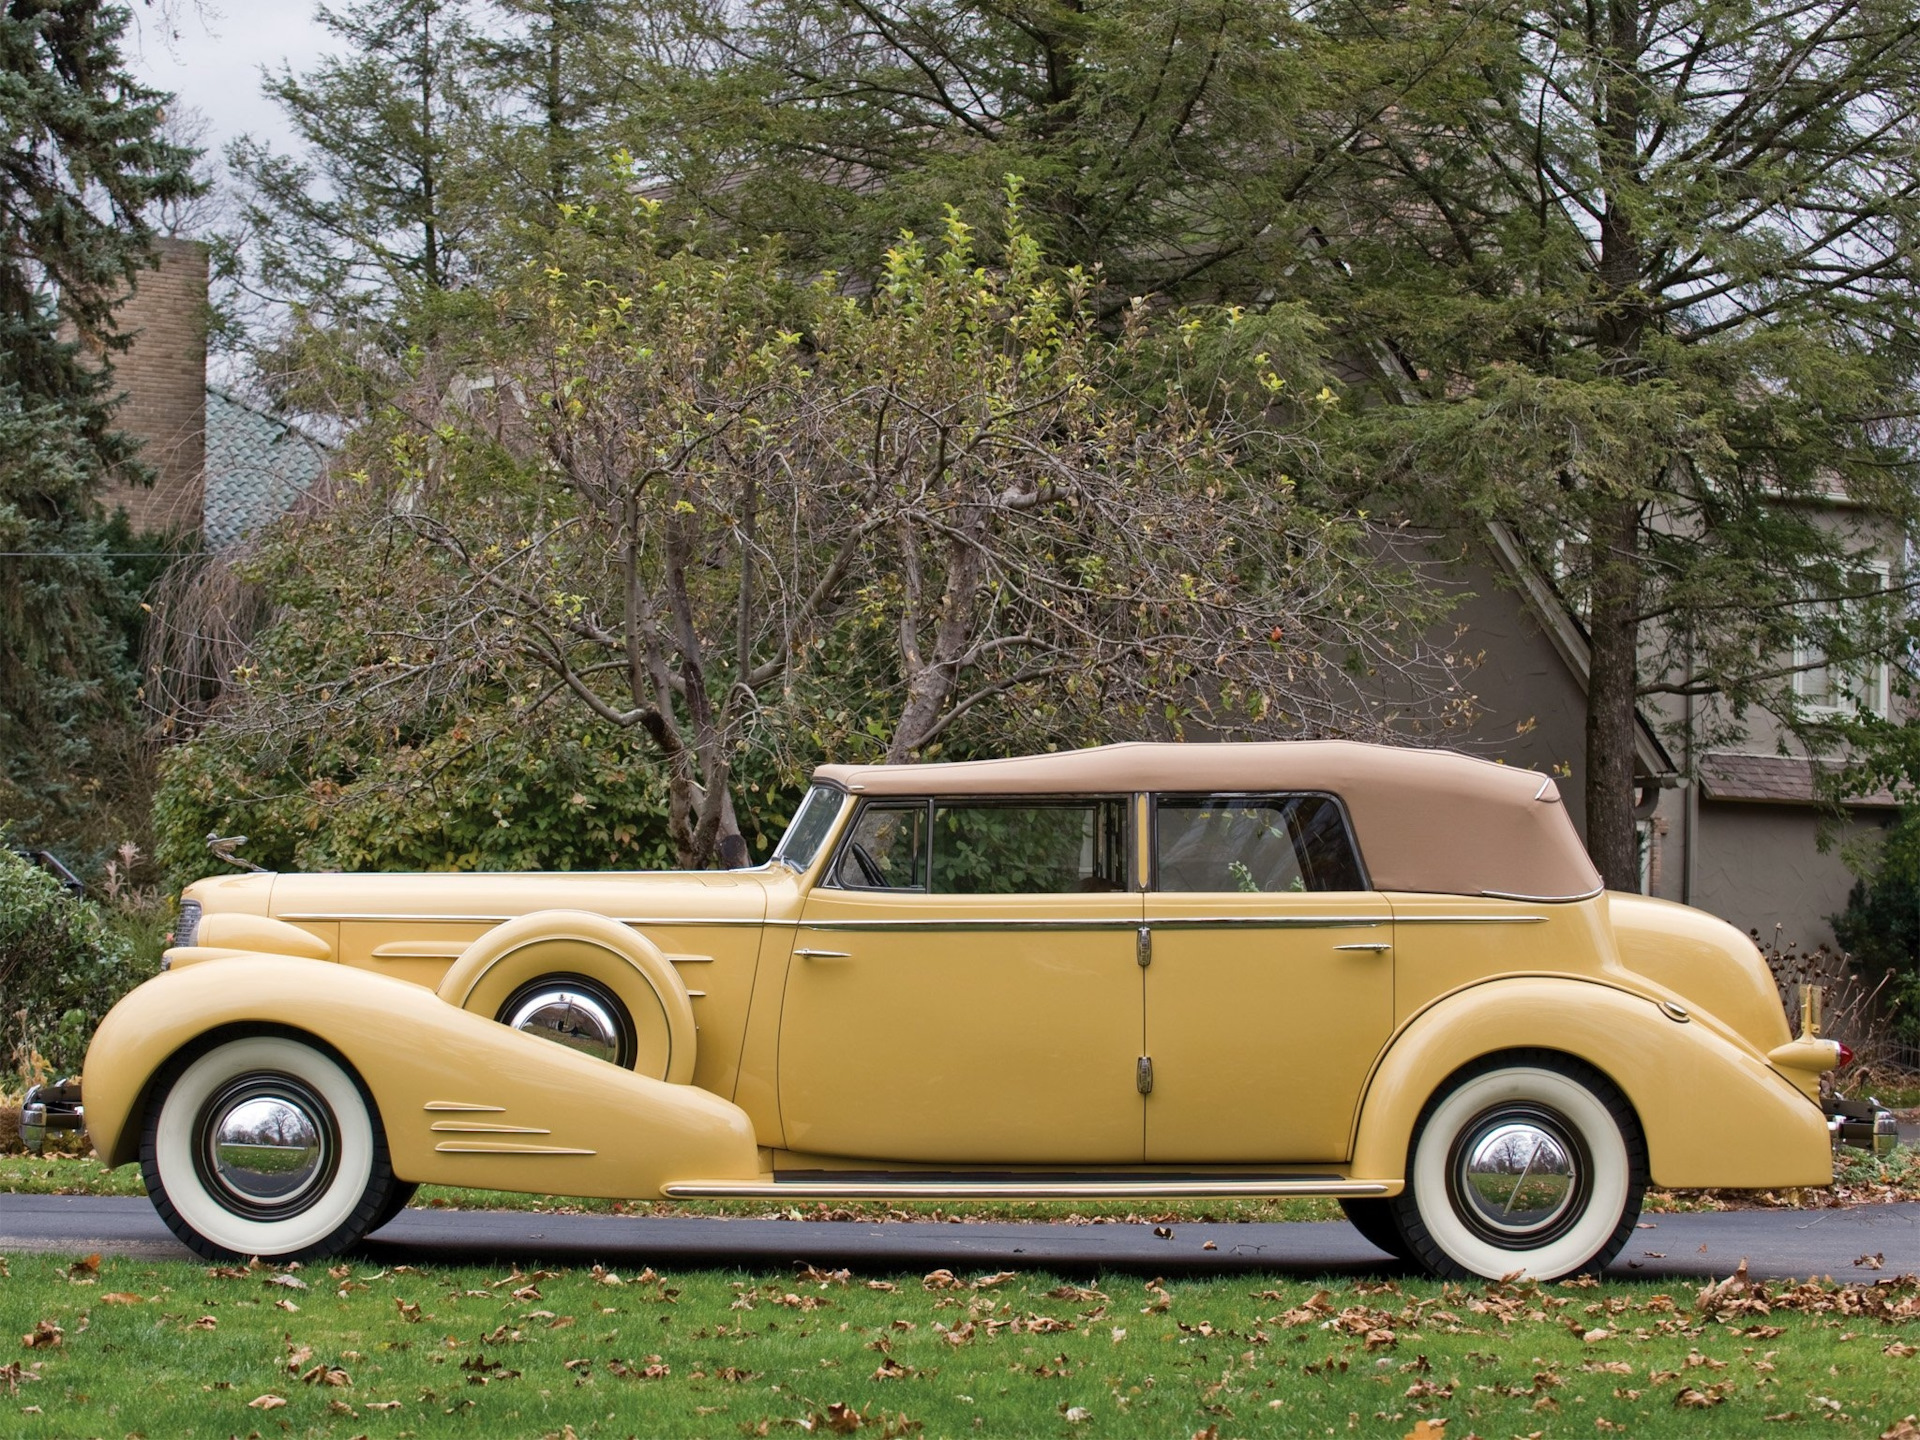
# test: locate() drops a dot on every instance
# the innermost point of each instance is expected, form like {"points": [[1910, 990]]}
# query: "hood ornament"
{"points": [[222, 848]]}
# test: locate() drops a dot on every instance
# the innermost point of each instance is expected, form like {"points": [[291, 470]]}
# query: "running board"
{"points": [[1140, 1188]]}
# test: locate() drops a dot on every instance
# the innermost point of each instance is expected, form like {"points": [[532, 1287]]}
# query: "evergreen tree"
{"points": [[86, 160], [1643, 278], [1166, 145], [375, 216], [558, 77]]}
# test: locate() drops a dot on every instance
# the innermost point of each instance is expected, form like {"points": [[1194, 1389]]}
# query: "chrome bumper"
{"points": [[50, 1107], [1863, 1124]]}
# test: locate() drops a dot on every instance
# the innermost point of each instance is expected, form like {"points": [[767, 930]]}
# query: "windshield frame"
{"points": [[821, 792]]}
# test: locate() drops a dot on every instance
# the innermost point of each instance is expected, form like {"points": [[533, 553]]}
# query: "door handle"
{"points": [[1375, 946], [824, 954]]}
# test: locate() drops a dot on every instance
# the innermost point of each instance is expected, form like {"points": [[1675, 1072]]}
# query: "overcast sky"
{"points": [[212, 53]]}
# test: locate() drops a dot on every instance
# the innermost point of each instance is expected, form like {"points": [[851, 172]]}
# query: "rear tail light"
{"points": [[1846, 1052]]}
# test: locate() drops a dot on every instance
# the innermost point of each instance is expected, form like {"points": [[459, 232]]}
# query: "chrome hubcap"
{"points": [[1519, 1176], [582, 1017], [267, 1146]]}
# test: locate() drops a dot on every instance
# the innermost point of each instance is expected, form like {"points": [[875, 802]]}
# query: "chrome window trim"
{"points": [[1346, 823], [829, 880]]}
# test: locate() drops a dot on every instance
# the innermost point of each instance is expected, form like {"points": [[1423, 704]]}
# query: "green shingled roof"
{"points": [[257, 465]]}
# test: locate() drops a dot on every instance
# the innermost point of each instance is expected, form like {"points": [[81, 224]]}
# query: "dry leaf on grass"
{"points": [[122, 1297], [44, 1336], [265, 1402]]}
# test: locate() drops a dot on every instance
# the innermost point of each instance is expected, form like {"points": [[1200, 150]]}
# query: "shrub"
{"points": [[62, 965], [1880, 928]]}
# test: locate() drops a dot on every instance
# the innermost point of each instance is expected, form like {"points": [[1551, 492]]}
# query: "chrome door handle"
{"points": [[824, 954], [1375, 946]]}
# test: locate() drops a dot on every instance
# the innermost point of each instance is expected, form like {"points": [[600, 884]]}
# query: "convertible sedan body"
{"points": [[1384, 975]]}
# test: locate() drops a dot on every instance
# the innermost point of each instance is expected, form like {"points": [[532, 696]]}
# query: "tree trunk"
{"points": [[1612, 688]]}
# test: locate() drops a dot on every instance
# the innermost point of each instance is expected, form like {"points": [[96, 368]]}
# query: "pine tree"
{"points": [[374, 215], [85, 161]]}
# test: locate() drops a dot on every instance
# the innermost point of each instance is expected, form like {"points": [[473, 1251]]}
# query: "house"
{"points": [[1737, 830], [222, 467]]}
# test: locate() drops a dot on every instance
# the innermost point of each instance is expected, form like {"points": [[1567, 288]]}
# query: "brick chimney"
{"points": [[162, 381]]}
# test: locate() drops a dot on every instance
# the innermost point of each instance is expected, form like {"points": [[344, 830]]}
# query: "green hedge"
{"points": [[62, 966]]}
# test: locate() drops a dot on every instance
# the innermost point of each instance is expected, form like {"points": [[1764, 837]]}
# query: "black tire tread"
{"points": [[1420, 1244], [1374, 1220]]}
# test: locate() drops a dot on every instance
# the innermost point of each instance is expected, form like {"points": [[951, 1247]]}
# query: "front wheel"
{"points": [[1529, 1164], [265, 1146]]}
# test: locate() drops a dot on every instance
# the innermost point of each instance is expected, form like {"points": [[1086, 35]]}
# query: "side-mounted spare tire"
{"points": [[585, 981]]}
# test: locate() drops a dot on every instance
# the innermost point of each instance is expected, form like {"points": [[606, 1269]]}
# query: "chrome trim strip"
{"points": [[1015, 1189], [1545, 899], [463, 1107], [405, 918], [1010, 923], [1375, 946], [438, 919], [1269, 922], [1469, 919], [482, 1147], [809, 954], [481, 1127]]}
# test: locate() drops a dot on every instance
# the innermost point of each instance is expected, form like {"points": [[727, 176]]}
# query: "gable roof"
{"points": [[257, 466]]}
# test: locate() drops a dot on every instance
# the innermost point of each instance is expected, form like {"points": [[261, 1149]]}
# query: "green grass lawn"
{"points": [[173, 1349]]}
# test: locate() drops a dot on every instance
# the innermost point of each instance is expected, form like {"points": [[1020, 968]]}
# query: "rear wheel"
{"points": [[1374, 1220], [1531, 1163], [265, 1146]]}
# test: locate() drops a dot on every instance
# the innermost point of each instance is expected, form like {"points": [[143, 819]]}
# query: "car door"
{"points": [[1269, 979], [964, 989]]}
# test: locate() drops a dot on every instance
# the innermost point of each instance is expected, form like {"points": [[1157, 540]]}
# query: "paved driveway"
{"points": [[1777, 1244]]}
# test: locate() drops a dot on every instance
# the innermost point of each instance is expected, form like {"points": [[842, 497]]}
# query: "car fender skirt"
{"points": [[464, 1101], [1714, 1112]]}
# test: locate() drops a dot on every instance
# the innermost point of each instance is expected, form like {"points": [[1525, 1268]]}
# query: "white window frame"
{"points": [[1808, 658]]}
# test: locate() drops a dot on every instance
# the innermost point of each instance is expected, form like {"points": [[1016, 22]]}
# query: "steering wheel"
{"points": [[869, 868]]}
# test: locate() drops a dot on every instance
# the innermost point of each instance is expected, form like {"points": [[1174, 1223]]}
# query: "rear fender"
{"points": [[465, 1101], [1714, 1113]]}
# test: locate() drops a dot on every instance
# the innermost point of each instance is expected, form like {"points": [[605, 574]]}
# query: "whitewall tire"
{"points": [[265, 1145], [1531, 1163]]}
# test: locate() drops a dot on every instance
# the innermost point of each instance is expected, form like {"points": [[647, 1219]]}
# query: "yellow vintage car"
{"points": [[1155, 971]]}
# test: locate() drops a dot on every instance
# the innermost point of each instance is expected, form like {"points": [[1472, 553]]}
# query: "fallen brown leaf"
{"points": [[265, 1402]]}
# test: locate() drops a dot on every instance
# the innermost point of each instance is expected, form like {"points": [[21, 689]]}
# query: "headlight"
{"points": [[186, 930]]}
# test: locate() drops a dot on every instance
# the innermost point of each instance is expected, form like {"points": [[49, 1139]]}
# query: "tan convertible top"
{"points": [[1426, 820]]}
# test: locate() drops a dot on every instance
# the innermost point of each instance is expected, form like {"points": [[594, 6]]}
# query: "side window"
{"points": [[1037, 848], [1253, 845], [886, 849]]}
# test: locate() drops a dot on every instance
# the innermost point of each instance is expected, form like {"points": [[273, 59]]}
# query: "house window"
{"points": [[1823, 688]]}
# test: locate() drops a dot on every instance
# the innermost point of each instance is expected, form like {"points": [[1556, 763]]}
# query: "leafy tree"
{"points": [[1642, 280], [86, 160], [672, 490], [1880, 928]]}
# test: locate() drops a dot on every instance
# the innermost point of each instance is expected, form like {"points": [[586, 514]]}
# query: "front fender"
{"points": [[465, 1101], [1714, 1113]]}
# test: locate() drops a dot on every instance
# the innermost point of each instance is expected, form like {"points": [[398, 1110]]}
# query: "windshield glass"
{"points": [[811, 822]]}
